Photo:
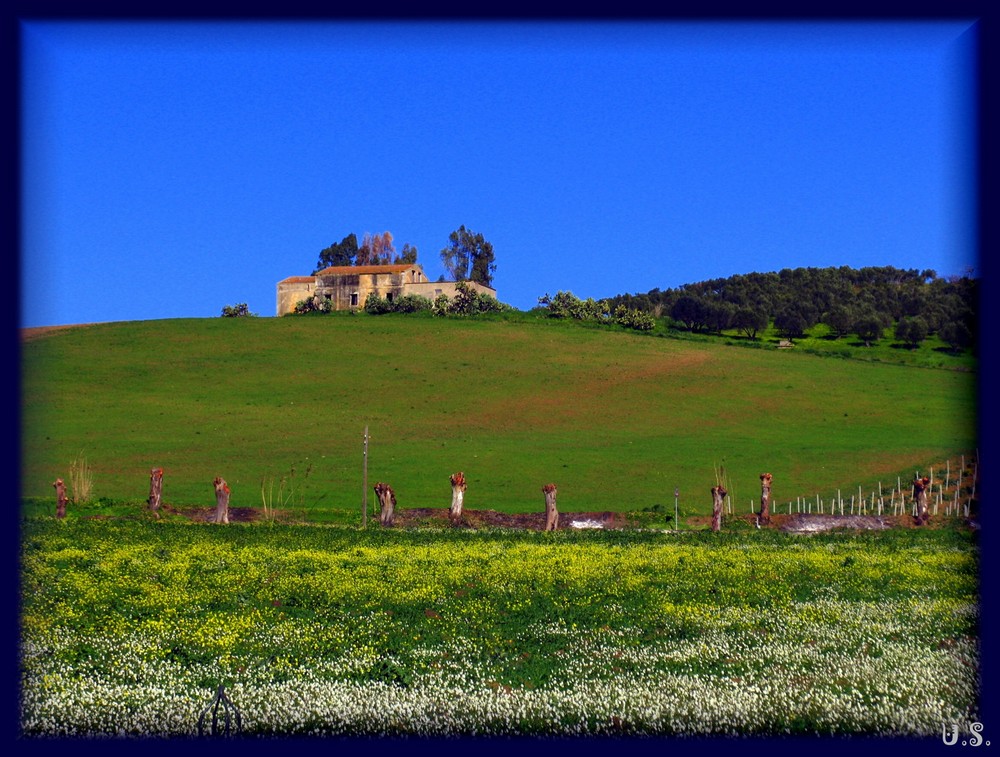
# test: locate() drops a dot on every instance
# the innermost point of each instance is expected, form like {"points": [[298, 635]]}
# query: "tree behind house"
{"points": [[340, 254], [469, 256]]}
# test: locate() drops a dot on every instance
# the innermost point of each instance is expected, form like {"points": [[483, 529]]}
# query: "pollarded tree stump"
{"points": [[920, 497], [718, 495], [551, 512], [155, 490], [221, 501], [387, 499], [765, 498], [61, 498], [458, 487]]}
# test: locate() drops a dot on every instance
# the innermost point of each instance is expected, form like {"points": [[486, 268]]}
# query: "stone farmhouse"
{"points": [[347, 287]]}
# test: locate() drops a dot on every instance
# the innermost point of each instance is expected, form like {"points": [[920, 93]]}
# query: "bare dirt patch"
{"points": [[803, 523], [206, 514], [427, 517], [37, 332], [438, 516]]}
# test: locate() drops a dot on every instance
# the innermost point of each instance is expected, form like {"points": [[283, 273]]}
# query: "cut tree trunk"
{"points": [[718, 496], [221, 501], [765, 498], [551, 513], [387, 499], [920, 497], [458, 487], [155, 490], [61, 499]]}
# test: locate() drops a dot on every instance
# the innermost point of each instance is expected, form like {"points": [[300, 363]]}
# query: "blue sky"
{"points": [[170, 168]]}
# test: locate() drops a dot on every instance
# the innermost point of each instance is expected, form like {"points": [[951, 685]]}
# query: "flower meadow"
{"points": [[129, 627]]}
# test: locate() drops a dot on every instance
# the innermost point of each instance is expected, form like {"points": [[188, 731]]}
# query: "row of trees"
{"points": [[468, 256], [864, 301], [375, 249]]}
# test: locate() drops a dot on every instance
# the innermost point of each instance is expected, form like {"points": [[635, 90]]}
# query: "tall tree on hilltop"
{"points": [[342, 253], [376, 249], [469, 256], [407, 255]]}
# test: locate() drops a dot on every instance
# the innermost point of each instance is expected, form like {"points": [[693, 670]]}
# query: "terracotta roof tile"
{"points": [[356, 269], [299, 280]]}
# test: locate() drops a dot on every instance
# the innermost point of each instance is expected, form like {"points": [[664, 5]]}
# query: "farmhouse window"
{"points": [[354, 299]]}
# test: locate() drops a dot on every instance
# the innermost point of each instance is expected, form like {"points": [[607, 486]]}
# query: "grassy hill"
{"points": [[615, 419]]}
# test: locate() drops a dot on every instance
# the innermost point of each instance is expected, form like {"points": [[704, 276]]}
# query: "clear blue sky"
{"points": [[172, 168]]}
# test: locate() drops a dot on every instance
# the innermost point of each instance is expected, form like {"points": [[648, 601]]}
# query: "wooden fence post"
{"points": [[387, 499], [458, 487], [155, 490], [718, 496], [60, 497], [551, 512], [221, 500]]}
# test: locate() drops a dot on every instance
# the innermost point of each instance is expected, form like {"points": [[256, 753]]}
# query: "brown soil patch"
{"points": [[37, 332], [812, 523], [206, 514], [438, 516]]}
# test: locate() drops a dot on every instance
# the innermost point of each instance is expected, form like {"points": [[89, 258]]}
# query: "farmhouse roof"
{"points": [[298, 280], [350, 270]]}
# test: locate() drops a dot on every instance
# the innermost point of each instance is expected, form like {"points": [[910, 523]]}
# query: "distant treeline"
{"points": [[863, 301]]}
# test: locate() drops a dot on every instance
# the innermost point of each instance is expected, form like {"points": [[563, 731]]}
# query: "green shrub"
{"points": [[376, 305], [239, 310], [313, 305], [634, 319]]}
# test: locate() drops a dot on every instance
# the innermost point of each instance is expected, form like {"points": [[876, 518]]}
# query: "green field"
{"points": [[616, 419], [130, 626]]}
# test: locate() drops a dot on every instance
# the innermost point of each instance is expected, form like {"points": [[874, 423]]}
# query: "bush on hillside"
{"points": [[567, 305], [408, 303], [468, 301], [631, 318], [313, 305], [239, 310]]}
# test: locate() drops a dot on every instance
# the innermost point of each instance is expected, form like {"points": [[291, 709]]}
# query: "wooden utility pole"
{"points": [[364, 488], [61, 498], [551, 512], [155, 490], [221, 500], [458, 487]]}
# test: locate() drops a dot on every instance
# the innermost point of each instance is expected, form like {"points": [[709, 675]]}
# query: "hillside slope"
{"points": [[616, 420]]}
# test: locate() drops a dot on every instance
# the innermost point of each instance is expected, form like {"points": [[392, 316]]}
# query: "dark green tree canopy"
{"points": [[911, 330], [469, 256], [375, 249], [750, 321], [799, 298], [341, 253]]}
